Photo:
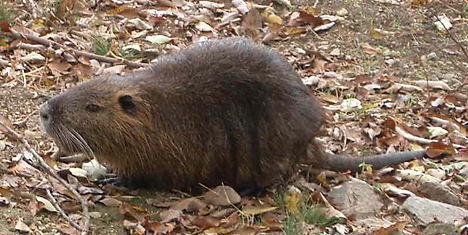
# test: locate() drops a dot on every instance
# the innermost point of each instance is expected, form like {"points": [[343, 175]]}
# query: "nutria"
{"points": [[222, 111]]}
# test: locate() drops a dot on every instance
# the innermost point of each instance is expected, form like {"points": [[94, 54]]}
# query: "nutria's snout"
{"points": [[45, 114]]}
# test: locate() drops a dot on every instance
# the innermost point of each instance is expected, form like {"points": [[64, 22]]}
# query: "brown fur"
{"points": [[224, 111]]}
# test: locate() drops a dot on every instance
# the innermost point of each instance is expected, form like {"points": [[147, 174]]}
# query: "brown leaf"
{"points": [[251, 23], [60, 66], [436, 149], [125, 11], [83, 70], [245, 230], [6, 192], [170, 215], [462, 155], [25, 169], [370, 49], [390, 141], [319, 66], [222, 196], [190, 204], [159, 228], [133, 211], [206, 222], [390, 123], [395, 229], [5, 131], [5, 26], [272, 221], [65, 7], [302, 17], [295, 31], [419, 2]]}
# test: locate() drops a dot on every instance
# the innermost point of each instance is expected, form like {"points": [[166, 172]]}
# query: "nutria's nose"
{"points": [[44, 113]]}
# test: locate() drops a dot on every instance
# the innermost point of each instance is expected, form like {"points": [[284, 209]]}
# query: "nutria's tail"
{"points": [[339, 163]]}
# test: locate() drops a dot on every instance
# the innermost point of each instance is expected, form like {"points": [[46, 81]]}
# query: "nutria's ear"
{"points": [[128, 104]]}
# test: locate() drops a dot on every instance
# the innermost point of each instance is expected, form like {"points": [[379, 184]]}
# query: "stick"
{"points": [[15, 34], [42, 166]]}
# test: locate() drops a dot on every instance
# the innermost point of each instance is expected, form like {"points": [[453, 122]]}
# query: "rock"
{"points": [[439, 174], [440, 228], [372, 224], [335, 52], [342, 12], [33, 58], [439, 192], [323, 47], [425, 211], [432, 56], [356, 198]]}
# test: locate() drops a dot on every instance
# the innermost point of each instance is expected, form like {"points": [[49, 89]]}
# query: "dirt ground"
{"points": [[407, 39]]}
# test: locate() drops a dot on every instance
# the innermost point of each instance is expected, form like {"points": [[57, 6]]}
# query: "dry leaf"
{"points": [[159, 228], [22, 227], [251, 23], [433, 84], [190, 204], [302, 17], [45, 204], [5, 26], [206, 222], [395, 229], [260, 210], [222, 196], [133, 211], [436, 149]]}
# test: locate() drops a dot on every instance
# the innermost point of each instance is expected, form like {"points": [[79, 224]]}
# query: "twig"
{"points": [[460, 68], [42, 166], [15, 34], [452, 37], [59, 209], [4, 170]]}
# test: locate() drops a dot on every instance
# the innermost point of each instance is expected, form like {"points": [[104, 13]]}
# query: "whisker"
{"points": [[82, 144]]}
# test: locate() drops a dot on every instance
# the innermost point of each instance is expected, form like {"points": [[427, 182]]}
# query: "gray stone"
{"points": [[425, 211], [440, 228], [439, 192], [357, 198]]}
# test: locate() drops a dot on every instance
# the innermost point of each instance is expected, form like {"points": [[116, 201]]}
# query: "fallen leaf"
{"points": [[22, 227], [433, 84], [158, 39], [206, 222], [133, 211], [190, 204], [222, 196], [5, 26], [170, 215], [46, 204], [261, 210]]}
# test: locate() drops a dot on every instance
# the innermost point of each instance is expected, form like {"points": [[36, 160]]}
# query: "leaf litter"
{"points": [[383, 92]]}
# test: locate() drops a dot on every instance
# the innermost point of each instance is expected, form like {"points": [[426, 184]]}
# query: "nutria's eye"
{"points": [[127, 104], [93, 108]]}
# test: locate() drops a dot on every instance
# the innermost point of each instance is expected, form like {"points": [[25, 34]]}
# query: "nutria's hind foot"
{"points": [[114, 181], [250, 191]]}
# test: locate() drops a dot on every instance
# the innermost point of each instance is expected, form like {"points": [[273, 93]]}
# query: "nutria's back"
{"points": [[224, 111]]}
